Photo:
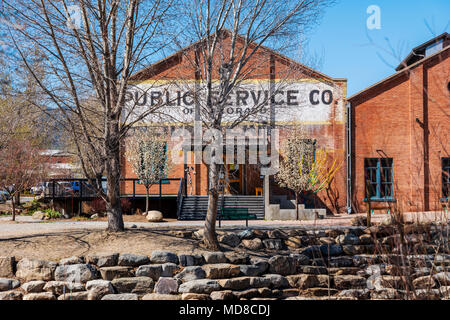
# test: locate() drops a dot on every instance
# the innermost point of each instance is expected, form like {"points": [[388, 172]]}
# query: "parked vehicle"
{"points": [[5, 195]]}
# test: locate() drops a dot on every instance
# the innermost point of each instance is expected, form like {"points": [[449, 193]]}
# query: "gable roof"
{"points": [[399, 73], [165, 62], [419, 52]]}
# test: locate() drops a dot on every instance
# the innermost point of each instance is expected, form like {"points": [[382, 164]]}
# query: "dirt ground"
{"points": [[54, 246]]}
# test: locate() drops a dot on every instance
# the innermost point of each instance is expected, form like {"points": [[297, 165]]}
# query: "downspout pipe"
{"points": [[349, 157]]}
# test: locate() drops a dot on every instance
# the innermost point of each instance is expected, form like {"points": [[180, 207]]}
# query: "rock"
{"points": [[111, 273], [313, 270], [137, 285], [121, 296], [327, 240], [262, 264], [214, 257], [346, 271], [80, 273], [282, 265], [395, 270], [191, 273], [7, 266], [347, 238], [260, 282], [222, 295], [366, 239], [71, 260], [166, 285], [254, 244], [157, 296], [103, 260], [187, 260], [276, 234], [343, 282], [221, 270], [237, 258], [294, 242], [239, 283], [320, 292], [443, 278], [427, 294], [199, 234], [380, 231], [359, 294], [33, 286], [349, 249], [273, 244], [258, 233], [425, 282], [154, 216], [33, 269], [230, 239], [385, 294], [94, 216], [8, 284], [194, 296], [322, 250], [75, 296], [149, 270], [250, 270], [97, 289], [60, 287], [305, 281], [163, 257], [11, 295], [277, 281], [132, 260], [168, 269], [340, 262], [39, 296], [204, 286], [38, 215], [246, 234], [389, 282], [246, 294]]}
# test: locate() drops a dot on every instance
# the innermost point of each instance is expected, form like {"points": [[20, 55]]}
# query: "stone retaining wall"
{"points": [[355, 263]]}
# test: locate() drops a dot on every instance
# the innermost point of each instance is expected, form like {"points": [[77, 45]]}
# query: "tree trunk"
{"points": [[17, 198], [113, 205], [210, 238], [147, 187], [13, 202]]}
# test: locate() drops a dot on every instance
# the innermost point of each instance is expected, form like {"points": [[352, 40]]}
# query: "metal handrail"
{"points": [[180, 196]]}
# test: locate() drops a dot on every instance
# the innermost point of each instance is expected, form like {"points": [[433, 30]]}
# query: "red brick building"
{"points": [[399, 129], [322, 115]]}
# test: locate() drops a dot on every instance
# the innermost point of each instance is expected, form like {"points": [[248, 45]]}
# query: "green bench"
{"points": [[236, 213]]}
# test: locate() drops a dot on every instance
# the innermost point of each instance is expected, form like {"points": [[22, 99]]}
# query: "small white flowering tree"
{"points": [[303, 167], [146, 151]]}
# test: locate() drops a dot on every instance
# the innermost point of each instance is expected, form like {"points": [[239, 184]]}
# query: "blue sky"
{"points": [[348, 49]]}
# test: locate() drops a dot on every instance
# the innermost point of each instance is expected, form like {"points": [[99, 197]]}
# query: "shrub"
{"points": [[97, 206], [52, 214]]}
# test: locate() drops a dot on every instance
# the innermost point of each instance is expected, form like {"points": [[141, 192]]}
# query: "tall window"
{"points": [[445, 177], [378, 179]]}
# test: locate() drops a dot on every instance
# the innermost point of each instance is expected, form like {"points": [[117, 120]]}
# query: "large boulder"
{"points": [[111, 273], [277, 281], [203, 286], [97, 289], [166, 285], [191, 273], [132, 260], [60, 287], [237, 258], [8, 284], [230, 239], [137, 285], [33, 269], [38, 215], [348, 238], [71, 260], [153, 271], [215, 257], [273, 244], [221, 270], [121, 296], [187, 260], [154, 216], [33, 286], [11, 295], [282, 265], [74, 296], [163, 257], [305, 281], [7, 267], [80, 273], [239, 283], [159, 296], [349, 282], [103, 260], [253, 244], [39, 296]]}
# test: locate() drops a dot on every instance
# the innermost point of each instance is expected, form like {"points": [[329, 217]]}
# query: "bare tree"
{"points": [[147, 153], [89, 50], [304, 166], [229, 37]]}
